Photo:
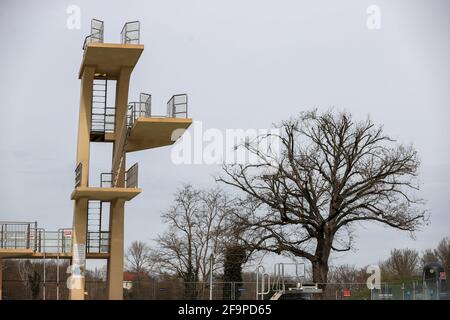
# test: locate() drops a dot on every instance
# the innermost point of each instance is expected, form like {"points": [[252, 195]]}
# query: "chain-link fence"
{"points": [[173, 289]]}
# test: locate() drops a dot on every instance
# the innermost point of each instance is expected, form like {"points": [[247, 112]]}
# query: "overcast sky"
{"points": [[244, 64]]}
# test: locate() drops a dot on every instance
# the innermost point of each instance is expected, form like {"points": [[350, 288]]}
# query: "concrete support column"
{"points": [[79, 230], [79, 246], [84, 123], [122, 86], [1, 278], [115, 262]]}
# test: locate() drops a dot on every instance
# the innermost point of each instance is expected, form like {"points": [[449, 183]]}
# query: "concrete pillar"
{"points": [[115, 262], [79, 243], [122, 86], [84, 123], [1, 278], [80, 208]]}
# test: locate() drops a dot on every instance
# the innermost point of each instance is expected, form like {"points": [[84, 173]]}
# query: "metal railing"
{"points": [[54, 241], [132, 176], [143, 108], [106, 180], [78, 174], [130, 33], [26, 235], [96, 35], [17, 235], [177, 106], [98, 242]]}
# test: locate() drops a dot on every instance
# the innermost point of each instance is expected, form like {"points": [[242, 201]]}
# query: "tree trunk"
{"points": [[320, 272], [320, 265]]}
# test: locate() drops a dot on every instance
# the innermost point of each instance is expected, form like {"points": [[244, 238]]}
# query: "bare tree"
{"points": [[139, 261], [428, 256], [330, 174], [346, 274], [139, 258], [442, 252], [196, 227], [401, 263]]}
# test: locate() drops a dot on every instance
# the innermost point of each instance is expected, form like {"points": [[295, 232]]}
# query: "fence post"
{"points": [[211, 264], [28, 236]]}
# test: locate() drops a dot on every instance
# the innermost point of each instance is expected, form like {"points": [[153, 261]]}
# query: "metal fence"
{"points": [[97, 31], [174, 289], [130, 33], [177, 106]]}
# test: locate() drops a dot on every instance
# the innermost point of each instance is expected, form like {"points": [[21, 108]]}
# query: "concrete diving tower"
{"points": [[99, 210], [129, 126]]}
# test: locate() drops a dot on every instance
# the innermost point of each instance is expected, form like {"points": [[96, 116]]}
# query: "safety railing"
{"points": [[177, 106], [98, 242], [53, 241], [78, 174], [105, 180], [132, 176], [142, 108], [17, 235], [96, 35], [130, 33], [26, 235]]}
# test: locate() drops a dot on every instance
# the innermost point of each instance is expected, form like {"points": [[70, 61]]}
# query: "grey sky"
{"points": [[244, 64]]}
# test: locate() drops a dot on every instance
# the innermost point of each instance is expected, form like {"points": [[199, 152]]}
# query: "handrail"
{"points": [[96, 34], [120, 151], [130, 33], [177, 106], [261, 270], [143, 108], [132, 176], [78, 174]]}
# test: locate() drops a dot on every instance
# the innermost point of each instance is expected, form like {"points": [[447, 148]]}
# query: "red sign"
{"points": [[347, 293], [442, 275], [68, 233]]}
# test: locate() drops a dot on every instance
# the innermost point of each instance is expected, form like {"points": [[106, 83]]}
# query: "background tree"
{"points": [[235, 257], [347, 274], [330, 174], [196, 228], [428, 256], [139, 261], [34, 279], [139, 258], [402, 263], [442, 252]]}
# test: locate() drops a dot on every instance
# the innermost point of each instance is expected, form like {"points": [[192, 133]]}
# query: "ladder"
{"points": [[94, 225], [94, 216], [102, 116]]}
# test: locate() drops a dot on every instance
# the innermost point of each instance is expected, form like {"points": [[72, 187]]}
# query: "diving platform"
{"points": [[30, 254], [104, 194], [148, 133], [109, 58]]}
